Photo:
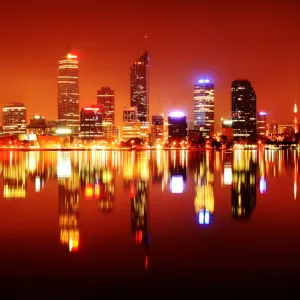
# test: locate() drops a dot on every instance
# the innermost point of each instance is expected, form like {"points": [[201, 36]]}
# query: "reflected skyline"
{"points": [[94, 176]]}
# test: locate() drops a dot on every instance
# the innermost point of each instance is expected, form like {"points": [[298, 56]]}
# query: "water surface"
{"points": [[149, 222]]}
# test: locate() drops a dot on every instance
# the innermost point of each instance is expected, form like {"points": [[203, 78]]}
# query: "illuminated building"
{"points": [[272, 129], [243, 108], [135, 129], [204, 107], [139, 91], [68, 197], [261, 124], [14, 118], [243, 188], [130, 114], [227, 129], [106, 99], [37, 125], [287, 129], [91, 122], [177, 127], [204, 189], [158, 128], [68, 92]]}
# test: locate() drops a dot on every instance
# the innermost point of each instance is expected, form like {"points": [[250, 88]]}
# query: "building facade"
{"points": [[68, 93], [261, 124], [204, 107], [139, 87], [157, 129], [130, 114], [91, 122], [106, 99], [37, 125], [243, 108], [14, 118], [177, 127]]}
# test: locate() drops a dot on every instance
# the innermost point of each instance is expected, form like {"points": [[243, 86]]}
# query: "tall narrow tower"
{"points": [[68, 92], [295, 118], [139, 91]]}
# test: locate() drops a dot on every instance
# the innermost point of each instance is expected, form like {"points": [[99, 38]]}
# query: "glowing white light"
{"points": [[177, 184], [177, 114], [64, 165], [204, 217]]}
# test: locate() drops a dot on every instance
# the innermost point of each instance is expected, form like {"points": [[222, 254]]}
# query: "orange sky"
{"points": [[221, 40]]}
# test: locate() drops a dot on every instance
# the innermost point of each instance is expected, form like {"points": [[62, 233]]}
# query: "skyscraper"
{"points": [[177, 127], [243, 108], [91, 122], [106, 98], [14, 118], [261, 124], [204, 107], [139, 91], [68, 92]]}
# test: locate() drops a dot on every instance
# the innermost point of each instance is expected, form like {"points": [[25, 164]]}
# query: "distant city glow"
{"points": [[262, 185], [177, 184], [204, 217], [177, 114]]}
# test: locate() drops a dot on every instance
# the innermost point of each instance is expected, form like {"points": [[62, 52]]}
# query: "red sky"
{"points": [[221, 40]]}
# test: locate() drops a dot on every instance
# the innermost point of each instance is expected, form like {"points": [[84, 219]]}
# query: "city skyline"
{"points": [[177, 59]]}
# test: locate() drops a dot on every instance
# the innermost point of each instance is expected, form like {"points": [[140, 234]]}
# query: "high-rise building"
{"points": [[204, 107], [130, 114], [227, 129], [106, 98], [243, 108], [68, 92], [139, 90], [14, 118], [91, 122], [261, 124], [157, 128], [177, 127]]}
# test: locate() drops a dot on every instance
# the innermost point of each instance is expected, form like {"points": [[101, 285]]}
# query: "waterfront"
{"points": [[149, 221]]}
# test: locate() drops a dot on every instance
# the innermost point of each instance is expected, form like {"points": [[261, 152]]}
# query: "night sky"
{"points": [[187, 40]]}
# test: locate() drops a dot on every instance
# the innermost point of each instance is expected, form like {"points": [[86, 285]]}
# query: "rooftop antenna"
{"points": [[145, 41]]}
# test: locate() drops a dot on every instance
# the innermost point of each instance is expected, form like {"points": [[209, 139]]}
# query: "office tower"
{"points": [[106, 98], [157, 129], [68, 92], [261, 124], [130, 114], [177, 127], [243, 108], [14, 118], [204, 107], [139, 87], [91, 122]]}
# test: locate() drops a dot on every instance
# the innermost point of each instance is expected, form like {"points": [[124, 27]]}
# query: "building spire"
{"points": [[295, 118]]}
